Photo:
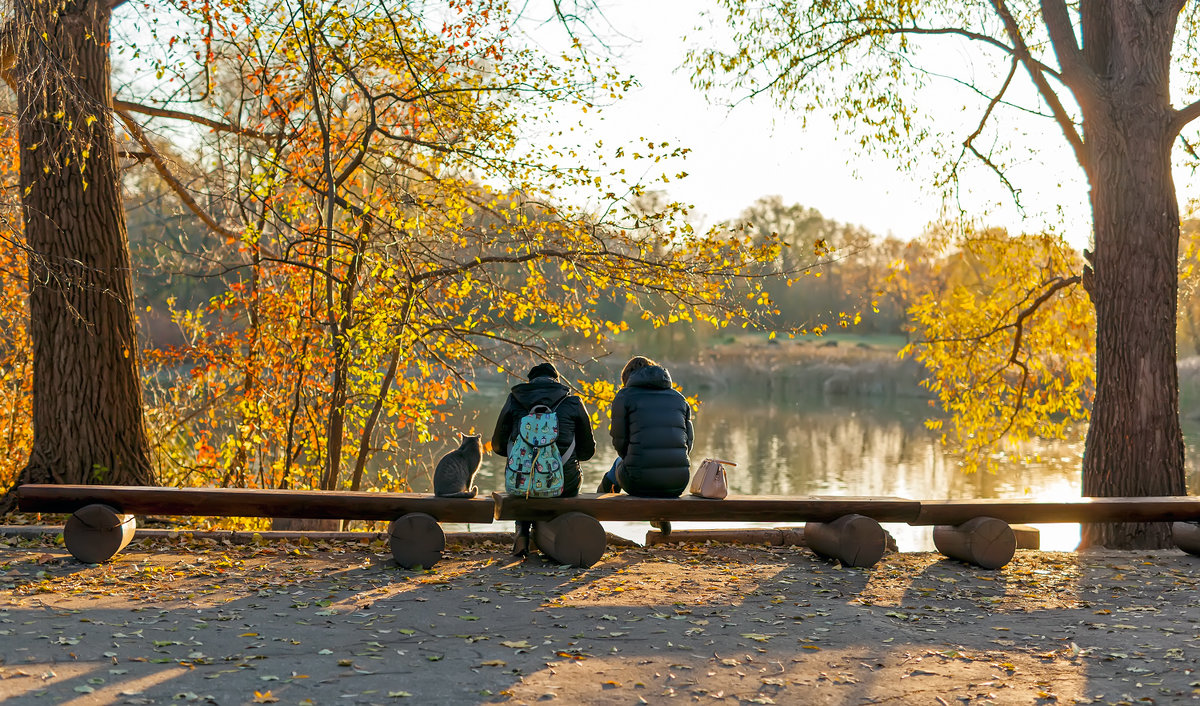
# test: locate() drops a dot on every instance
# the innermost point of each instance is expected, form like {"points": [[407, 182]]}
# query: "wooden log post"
{"points": [[983, 541], [778, 537], [95, 533], [571, 538], [854, 540], [1187, 536], [1027, 537], [416, 540]]}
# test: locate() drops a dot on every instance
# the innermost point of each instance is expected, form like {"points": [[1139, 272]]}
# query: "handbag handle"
{"points": [[722, 461]]}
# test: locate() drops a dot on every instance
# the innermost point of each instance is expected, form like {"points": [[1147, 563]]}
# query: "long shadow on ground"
{"points": [[335, 624]]}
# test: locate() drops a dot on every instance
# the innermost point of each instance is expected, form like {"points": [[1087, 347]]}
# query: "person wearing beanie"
{"points": [[651, 429], [574, 426], [543, 370]]}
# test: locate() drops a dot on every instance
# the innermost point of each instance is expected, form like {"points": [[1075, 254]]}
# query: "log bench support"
{"points": [[416, 540], [983, 541], [1187, 536], [967, 529], [95, 533], [568, 530], [573, 538], [777, 537], [854, 540], [1028, 537]]}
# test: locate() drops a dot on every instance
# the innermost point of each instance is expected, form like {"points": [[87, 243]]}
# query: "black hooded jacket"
{"points": [[652, 431], [574, 424]]}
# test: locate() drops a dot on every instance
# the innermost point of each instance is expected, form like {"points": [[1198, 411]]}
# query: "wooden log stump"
{"points": [[571, 538], [854, 540], [416, 540], [780, 537], [984, 541], [1187, 536], [95, 533], [1027, 537], [298, 524]]}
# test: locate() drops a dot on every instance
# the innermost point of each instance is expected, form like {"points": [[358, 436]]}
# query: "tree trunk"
{"points": [[87, 394], [1134, 445]]}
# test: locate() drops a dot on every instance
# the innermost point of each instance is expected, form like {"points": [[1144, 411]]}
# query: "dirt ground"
{"points": [[200, 621]]}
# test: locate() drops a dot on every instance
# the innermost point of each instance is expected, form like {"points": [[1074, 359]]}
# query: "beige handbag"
{"points": [[709, 481]]}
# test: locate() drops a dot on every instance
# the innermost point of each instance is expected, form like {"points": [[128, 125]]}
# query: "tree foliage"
{"points": [[1014, 356], [1114, 79], [16, 370], [389, 224]]}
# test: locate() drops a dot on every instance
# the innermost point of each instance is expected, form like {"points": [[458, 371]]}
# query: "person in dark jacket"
{"points": [[574, 427], [651, 430]]}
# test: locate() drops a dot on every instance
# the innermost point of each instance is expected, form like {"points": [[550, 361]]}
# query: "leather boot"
{"points": [[521, 540]]}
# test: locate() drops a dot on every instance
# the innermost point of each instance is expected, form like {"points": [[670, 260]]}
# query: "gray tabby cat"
{"points": [[455, 472]]}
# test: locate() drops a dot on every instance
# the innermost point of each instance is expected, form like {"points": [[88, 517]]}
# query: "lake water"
{"points": [[833, 446]]}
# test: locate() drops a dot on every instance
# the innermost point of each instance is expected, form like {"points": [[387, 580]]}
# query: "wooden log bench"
{"points": [[980, 531], [568, 530], [102, 516]]}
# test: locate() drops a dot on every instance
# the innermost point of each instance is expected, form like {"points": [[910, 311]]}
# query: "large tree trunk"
{"points": [[1134, 445], [87, 399]]}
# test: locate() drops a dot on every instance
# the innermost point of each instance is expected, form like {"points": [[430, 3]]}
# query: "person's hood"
{"points": [[655, 377], [546, 390]]}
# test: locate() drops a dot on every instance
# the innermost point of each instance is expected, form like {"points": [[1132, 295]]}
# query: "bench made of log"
{"points": [[1017, 511], [102, 524], [735, 508], [979, 532], [843, 528]]}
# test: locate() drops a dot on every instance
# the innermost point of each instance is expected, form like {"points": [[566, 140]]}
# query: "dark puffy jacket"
{"points": [[652, 431], [573, 424]]}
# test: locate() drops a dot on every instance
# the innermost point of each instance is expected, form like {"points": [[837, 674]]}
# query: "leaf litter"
{"points": [[755, 625]]}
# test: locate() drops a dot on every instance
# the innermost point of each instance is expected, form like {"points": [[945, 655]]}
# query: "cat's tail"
{"points": [[462, 494]]}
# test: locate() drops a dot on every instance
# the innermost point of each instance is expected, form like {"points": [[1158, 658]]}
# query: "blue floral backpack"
{"points": [[535, 466]]}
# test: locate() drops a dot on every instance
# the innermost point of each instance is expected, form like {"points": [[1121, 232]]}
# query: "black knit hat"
{"points": [[543, 370]]}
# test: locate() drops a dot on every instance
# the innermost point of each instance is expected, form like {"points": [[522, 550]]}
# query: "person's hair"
{"points": [[635, 364]]}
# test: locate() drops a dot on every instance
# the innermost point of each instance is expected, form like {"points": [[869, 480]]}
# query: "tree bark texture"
{"points": [[87, 397], [1134, 444]]}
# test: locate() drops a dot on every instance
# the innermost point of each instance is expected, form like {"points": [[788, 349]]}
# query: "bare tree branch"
{"points": [[128, 106], [1076, 73], [1190, 149], [1021, 51], [1182, 117], [976, 36], [969, 143], [164, 170]]}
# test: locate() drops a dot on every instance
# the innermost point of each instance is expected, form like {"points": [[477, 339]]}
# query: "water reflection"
{"points": [[818, 446]]}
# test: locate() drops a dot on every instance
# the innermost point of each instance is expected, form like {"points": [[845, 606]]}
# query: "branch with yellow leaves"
{"points": [[1017, 325]]}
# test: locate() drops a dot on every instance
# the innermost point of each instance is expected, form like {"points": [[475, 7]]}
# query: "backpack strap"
{"points": [[566, 455], [516, 430]]}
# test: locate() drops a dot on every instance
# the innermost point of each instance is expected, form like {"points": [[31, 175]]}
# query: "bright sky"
{"points": [[755, 149], [743, 153]]}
